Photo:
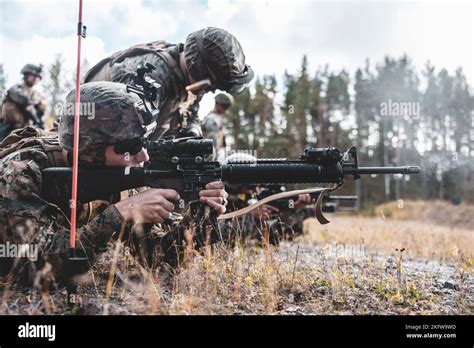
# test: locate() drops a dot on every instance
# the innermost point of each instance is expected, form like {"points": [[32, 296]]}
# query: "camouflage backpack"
{"points": [[29, 137]]}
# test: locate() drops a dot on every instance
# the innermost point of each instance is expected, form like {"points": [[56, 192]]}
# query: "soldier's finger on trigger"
{"points": [[169, 194], [215, 185], [213, 193], [218, 200]]}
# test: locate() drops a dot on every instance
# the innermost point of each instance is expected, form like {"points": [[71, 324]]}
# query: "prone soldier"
{"points": [[113, 137], [266, 222]]}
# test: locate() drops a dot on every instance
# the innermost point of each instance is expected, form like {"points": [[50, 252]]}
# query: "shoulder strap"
{"points": [[171, 63]]}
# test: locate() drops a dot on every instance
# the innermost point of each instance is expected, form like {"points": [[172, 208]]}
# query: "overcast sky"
{"points": [[274, 34]]}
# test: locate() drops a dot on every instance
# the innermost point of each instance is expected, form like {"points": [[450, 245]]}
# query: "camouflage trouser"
{"points": [[44, 233], [155, 244]]}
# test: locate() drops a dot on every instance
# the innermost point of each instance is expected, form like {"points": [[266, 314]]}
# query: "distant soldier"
{"points": [[208, 54], [212, 125], [23, 105], [266, 222]]}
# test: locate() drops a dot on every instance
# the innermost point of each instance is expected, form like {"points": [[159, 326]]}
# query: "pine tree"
{"points": [[56, 87], [3, 83]]}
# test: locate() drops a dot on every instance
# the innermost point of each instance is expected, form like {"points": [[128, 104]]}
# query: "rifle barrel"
{"points": [[382, 170]]}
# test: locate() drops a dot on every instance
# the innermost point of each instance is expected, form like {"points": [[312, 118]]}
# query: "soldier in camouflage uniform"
{"points": [[264, 223], [212, 124], [209, 53], [23, 105], [112, 137]]}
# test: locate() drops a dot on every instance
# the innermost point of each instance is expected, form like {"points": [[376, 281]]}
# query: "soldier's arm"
{"points": [[38, 101], [28, 219]]}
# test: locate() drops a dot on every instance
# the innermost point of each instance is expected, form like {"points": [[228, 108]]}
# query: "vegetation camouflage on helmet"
{"points": [[219, 57], [107, 115]]}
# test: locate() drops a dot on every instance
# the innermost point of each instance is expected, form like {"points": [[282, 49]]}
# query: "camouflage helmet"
{"points": [[216, 54], [32, 69], [224, 99], [108, 115]]}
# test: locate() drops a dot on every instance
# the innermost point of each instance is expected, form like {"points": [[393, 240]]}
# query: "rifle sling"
{"points": [[319, 214]]}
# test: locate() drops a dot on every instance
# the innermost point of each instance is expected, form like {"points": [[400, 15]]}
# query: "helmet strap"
{"points": [[185, 70]]}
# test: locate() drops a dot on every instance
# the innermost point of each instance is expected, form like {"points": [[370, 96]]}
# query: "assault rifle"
{"points": [[181, 164]]}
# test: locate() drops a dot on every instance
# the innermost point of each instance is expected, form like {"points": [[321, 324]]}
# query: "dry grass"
{"points": [[420, 239], [431, 272]]}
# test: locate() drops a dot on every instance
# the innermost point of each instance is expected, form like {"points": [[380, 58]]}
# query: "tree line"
{"points": [[392, 113]]}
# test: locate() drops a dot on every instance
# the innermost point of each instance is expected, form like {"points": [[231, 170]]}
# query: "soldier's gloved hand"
{"points": [[264, 212], [215, 196], [302, 201], [150, 206]]}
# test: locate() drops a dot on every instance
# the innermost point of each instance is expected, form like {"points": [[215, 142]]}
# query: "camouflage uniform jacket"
{"points": [[178, 108], [27, 219], [19, 104]]}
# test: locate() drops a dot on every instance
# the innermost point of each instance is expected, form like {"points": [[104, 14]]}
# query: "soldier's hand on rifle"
{"points": [[150, 206], [41, 106], [215, 196], [302, 201], [264, 212]]}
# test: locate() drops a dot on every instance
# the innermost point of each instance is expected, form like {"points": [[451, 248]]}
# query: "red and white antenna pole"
{"points": [[80, 34]]}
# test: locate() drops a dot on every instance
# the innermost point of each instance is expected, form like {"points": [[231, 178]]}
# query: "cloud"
{"points": [[39, 49]]}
